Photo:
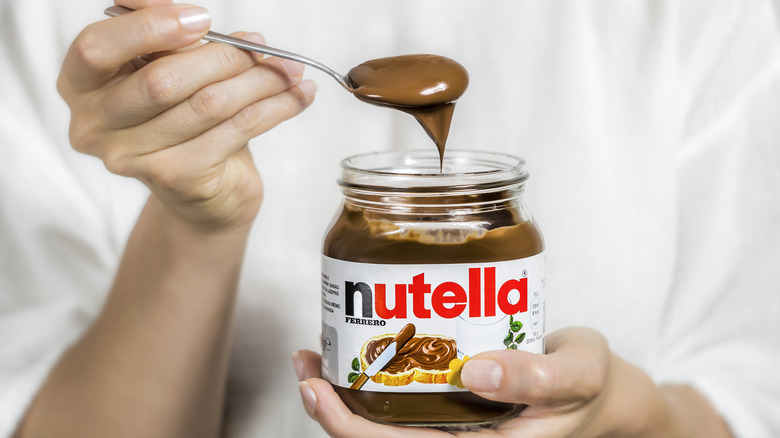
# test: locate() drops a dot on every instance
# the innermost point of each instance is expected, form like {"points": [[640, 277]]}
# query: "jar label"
{"points": [[454, 310]]}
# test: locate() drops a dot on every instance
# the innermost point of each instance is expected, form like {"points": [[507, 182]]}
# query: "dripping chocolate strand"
{"points": [[425, 86]]}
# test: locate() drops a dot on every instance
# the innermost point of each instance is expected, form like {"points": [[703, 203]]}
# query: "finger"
{"points": [[213, 105], [574, 369], [324, 405], [212, 148], [141, 4], [219, 143], [171, 80], [307, 364], [103, 48], [257, 38], [117, 115]]}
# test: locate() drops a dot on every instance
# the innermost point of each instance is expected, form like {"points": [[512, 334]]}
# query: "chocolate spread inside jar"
{"points": [[455, 253]]}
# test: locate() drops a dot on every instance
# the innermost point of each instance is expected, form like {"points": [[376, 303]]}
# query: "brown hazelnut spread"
{"points": [[422, 230], [356, 237], [423, 352], [425, 86]]}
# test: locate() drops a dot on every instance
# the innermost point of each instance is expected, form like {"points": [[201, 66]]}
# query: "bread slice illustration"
{"points": [[424, 359]]}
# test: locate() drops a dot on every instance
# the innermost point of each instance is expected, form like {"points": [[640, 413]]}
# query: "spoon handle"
{"points": [[116, 11]]}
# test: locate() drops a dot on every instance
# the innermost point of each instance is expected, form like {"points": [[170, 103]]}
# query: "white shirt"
{"points": [[650, 130]]}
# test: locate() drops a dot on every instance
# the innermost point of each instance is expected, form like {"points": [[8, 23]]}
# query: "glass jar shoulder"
{"points": [[360, 235]]}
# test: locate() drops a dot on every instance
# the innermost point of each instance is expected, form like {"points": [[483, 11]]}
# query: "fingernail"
{"points": [[298, 365], [308, 396], [293, 68], [254, 37], [308, 87], [482, 375], [195, 19]]}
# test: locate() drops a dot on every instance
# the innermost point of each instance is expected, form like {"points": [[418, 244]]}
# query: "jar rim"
{"points": [[419, 169]]}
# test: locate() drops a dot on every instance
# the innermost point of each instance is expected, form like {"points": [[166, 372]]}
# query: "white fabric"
{"points": [[650, 130]]}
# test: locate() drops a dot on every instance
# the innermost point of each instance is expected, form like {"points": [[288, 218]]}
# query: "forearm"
{"points": [[154, 362]]}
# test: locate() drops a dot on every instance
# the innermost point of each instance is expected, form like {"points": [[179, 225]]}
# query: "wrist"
{"points": [[225, 208], [182, 247], [181, 225]]}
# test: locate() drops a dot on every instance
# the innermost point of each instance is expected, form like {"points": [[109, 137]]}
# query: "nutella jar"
{"points": [[423, 267]]}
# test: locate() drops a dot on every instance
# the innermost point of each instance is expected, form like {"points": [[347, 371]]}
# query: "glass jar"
{"points": [[451, 254]]}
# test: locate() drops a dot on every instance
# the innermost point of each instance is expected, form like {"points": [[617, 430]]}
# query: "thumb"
{"points": [[574, 369]]}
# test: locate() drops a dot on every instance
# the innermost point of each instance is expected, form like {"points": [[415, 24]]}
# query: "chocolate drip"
{"points": [[425, 86], [424, 352]]}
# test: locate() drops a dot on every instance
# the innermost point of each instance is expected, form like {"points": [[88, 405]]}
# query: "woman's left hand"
{"points": [[578, 389]]}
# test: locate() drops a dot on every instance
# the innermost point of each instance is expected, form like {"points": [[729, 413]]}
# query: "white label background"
{"points": [[342, 341]]}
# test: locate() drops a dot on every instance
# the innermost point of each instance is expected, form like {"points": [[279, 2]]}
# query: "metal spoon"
{"points": [[343, 80]]}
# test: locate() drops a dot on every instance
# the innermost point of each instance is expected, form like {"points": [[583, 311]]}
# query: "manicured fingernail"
{"points": [[195, 19], [308, 396], [298, 365], [293, 68], [482, 375], [308, 87]]}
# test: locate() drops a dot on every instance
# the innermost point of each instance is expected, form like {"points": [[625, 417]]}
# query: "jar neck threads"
{"points": [[410, 181]]}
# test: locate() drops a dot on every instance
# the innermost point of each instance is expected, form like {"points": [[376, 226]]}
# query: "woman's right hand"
{"points": [[181, 122]]}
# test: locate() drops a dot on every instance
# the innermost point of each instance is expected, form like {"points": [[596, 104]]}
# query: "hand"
{"points": [[578, 389], [155, 104]]}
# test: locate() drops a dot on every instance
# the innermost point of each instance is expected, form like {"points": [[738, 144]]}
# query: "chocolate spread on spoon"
{"points": [[425, 86]]}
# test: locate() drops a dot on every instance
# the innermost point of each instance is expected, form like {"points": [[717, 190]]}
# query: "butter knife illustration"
{"points": [[385, 356]]}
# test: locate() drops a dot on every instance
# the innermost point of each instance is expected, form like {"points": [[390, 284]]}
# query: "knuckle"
{"points": [[597, 361], [231, 57], [88, 50], [118, 161], [169, 181], [592, 383], [275, 73], [159, 83], [207, 104], [64, 87], [161, 174], [544, 381], [292, 102], [146, 30], [82, 135], [247, 120], [268, 113]]}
